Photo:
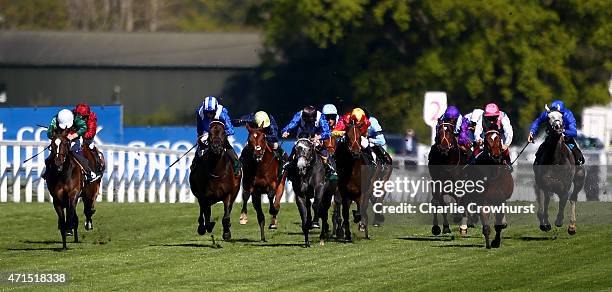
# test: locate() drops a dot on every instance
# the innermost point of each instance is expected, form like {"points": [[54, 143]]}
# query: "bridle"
{"points": [[216, 143], [446, 138], [488, 144], [299, 153]]}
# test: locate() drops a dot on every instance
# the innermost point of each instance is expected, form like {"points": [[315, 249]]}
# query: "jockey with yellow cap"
{"points": [[261, 119]]}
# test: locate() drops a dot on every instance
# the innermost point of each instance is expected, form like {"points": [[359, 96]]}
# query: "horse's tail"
{"points": [[280, 189]]}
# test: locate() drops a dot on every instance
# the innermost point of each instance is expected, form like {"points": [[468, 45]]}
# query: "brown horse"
{"points": [[445, 164], [212, 179], [65, 181], [352, 166], [498, 184], [90, 193], [261, 169], [556, 172]]}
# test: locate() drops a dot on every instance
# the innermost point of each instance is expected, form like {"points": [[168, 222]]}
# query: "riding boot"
{"points": [[368, 155], [507, 160], [578, 157], [235, 161], [89, 174], [45, 174]]}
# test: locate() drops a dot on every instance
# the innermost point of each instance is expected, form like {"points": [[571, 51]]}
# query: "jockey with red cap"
{"points": [[493, 118], [83, 111]]}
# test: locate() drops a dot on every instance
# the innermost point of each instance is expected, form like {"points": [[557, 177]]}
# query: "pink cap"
{"points": [[491, 110]]}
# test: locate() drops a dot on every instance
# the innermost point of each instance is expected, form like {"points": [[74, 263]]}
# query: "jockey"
{"points": [[473, 118], [569, 125], [261, 119], [77, 127], [494, 117], [210, 110], [83, 111], [358, 117], [331, 114], [308, 121], [378, 142], [453, 116]]}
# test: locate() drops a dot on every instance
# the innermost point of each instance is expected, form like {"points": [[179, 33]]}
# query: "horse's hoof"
{"points": [[321, 243], [315, 225], [361, 227], [435, 230], [559, 224], [495, 243], [488, 245], [504, 226], [201, 230], [545, 228], [243, 219], [348, 239], [471, 226], [446, 229], [69, 233], [463, 231], [571, 230], [272, 226], [88, 226], [339, 233], [307, 244], [227, 236], [376, 224], [356, 216], [210, 226]]}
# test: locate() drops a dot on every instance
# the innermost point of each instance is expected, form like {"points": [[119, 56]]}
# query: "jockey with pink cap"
{"points": [[494, 117]]}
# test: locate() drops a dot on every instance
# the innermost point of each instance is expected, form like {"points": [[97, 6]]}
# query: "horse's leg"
{"points": [[76, 219], [71, 212], [542, 207], [337, 217], [61, 221], [207, 222], [273, 211], [578, 185], [316, 205], [363, 225], [545, 226], [260, 215], [561, 212], [201, 226], [486, 229], [445, 226], [227, 210], [499, 226], [243, 213], [435, 228], [324, 215], [303, 207], [87, 210], [346, 206]]}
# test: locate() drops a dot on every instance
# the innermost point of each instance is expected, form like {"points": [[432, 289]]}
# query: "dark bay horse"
{"points": [[446, 163], [212, 180], [555, 172], [352, 173], [261, 169], [90, 193], [308, 180], [498, 184], [65, 181]]}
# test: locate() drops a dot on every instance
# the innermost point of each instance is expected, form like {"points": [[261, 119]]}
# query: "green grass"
{"points": [[155, 246]]}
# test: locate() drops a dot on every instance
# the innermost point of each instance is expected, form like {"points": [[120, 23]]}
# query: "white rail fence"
{"points": [[133, 173]]}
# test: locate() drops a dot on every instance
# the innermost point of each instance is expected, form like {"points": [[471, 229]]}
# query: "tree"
{"points": [[385, 54]]}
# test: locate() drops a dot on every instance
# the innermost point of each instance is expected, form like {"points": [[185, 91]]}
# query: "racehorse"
{"points": [[498, 184], [90, 193], [383, 171], [555, 172], [212, 180], [331, 190], [308, 180], [445, 164], [261, 169], [65, 181], [352, 171]]}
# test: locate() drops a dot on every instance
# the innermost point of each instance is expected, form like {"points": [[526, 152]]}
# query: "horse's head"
{"points": [[446, 135], [257, 140], [305, 153], [60, 147], [555, 121], [330, 145], [353, 138], [493, 145], [217, 137]]}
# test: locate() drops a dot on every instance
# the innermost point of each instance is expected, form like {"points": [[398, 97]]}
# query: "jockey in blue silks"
{"points": [[331, 115], [453, 116], [569, 125], [377, 141], [208, 111], [309, 123]]}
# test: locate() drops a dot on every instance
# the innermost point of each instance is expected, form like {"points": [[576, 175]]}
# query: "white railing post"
{"points": [[3, 172]]}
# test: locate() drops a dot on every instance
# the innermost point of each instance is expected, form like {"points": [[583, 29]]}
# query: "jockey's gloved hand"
{"points": [[530, 138], [203, 138], [275, 145], [364, 142], [285, 134]]}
